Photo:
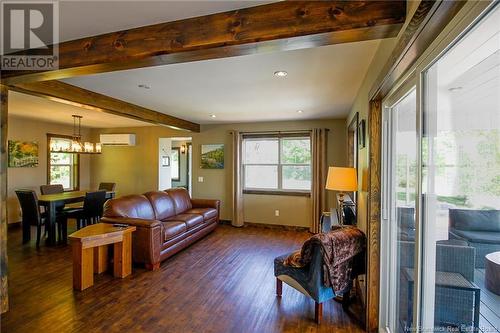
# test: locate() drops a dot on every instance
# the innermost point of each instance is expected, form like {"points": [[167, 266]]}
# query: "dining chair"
{"points": [[31, 214], [110, 187], [53, 189], [91, 211], [30, 211]]}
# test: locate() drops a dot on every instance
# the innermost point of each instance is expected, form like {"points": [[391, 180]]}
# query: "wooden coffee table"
{"points": [[492, 272], [90, 252]]}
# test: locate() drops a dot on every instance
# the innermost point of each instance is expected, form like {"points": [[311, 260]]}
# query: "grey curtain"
{"points": [[319, 140], [237, 220]]}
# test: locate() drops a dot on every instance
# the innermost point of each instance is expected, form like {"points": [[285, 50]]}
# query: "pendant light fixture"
{"points": [[77, 146]]}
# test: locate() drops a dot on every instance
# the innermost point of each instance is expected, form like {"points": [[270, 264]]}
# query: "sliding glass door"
{"points": [[461, 182], [398, 211], [440, 227]]}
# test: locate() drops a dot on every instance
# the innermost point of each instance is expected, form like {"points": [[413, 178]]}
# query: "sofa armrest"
{"points": [[146, 240], [206, 203], [144, 223]]}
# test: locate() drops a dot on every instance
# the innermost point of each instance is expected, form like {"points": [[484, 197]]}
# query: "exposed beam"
{"points": [[277, 26], [69, 94]]}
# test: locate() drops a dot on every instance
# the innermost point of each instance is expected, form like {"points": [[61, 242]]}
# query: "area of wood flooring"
{"points": [[223, 283]]}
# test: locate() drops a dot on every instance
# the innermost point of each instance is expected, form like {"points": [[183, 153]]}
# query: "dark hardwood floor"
{"points": [[223, 283]]}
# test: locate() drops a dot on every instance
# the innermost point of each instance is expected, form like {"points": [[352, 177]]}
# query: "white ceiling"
{"points": [[80, 19], [27, 106], [322, 82]]}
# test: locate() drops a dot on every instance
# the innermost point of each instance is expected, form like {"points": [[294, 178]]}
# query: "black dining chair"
{"points": [[110, 187], [30, 211], [92, 209], [31, 215], [53, 189]]}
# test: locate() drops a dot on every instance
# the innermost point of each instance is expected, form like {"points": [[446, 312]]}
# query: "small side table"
{"points": [[492, 272], [448, 280], [90, 252]]}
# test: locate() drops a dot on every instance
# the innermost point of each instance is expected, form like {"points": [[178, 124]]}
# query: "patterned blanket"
{"points": [[342, 250]]}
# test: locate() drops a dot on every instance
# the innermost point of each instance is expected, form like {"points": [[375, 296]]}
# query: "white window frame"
{"points": [[279, 165]]}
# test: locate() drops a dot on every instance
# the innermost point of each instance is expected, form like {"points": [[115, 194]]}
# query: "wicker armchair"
{"points": [[452, 307]]}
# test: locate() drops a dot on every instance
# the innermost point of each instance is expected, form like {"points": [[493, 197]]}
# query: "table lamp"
{"points": [[342, 180]]}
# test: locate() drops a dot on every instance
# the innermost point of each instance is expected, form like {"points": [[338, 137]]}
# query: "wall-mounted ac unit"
{"points": [[118, 139]]}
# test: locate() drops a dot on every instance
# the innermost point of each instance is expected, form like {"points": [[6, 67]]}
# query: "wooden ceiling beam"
{"points": [[69, 94], [285, 25]]}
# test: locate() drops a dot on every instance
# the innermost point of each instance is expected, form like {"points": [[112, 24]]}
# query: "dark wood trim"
{"points": [[275, 226], [373, 226], [66, 93], [76, 170], [178, 179], [273, 192], [277, 26], [429, 19], [4, 111]]}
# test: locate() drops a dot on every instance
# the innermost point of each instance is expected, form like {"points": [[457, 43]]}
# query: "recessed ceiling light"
{"points": [[280, 73], [144, 86], [299, 111], [213, 116]]}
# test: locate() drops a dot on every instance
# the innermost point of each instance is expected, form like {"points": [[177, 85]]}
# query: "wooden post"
{"points": [[4, 296], [373, 229]]}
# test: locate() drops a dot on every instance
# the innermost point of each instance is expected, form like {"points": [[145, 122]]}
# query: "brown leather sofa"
{"points": [[166, 222]]}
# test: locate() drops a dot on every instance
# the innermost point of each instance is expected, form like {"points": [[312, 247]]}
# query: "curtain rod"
{"points": [[279, 132]]}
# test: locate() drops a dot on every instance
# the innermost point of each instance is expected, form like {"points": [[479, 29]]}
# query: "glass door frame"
{"points": [[388, 228], [424, 285]]}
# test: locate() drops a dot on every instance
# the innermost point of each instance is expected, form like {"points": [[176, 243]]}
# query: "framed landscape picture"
{"points": [[212, 156], [23, 154]]}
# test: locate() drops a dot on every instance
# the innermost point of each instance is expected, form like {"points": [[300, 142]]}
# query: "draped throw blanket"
{"points": [[237, 220], [319, 139], [342, 251]]}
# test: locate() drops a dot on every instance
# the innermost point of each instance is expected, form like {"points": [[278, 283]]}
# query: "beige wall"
{"points": [[134, 168], [25, 129], [361, 106]]}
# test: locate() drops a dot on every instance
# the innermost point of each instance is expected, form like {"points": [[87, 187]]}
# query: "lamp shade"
{"points": [[342, 179]]}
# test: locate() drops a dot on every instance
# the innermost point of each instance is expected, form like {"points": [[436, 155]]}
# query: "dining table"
{"points": [[50, 202]]}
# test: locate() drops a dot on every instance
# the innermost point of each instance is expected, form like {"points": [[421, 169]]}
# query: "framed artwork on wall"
{"points": [[212, 156], [23, 154]]}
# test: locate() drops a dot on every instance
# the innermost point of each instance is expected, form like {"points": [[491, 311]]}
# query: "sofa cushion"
{"points": [[182, 201], [475, 220], [162, 203], [172, 229], [132, 206], [191, 220], [487, 237], [207, 213]]}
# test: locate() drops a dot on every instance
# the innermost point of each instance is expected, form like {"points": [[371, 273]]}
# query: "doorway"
{"points": [[182, 162]]}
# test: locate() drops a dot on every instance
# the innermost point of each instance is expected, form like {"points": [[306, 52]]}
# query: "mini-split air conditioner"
{"points": [[117, 139]]}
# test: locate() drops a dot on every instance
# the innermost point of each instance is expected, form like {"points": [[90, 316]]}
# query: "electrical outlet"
{"points": [[277, 212], [200, 179]]}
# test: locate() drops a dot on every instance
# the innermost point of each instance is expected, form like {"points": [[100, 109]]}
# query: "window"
{"points": [[63, 168], [276, 163], [175, 164]]}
